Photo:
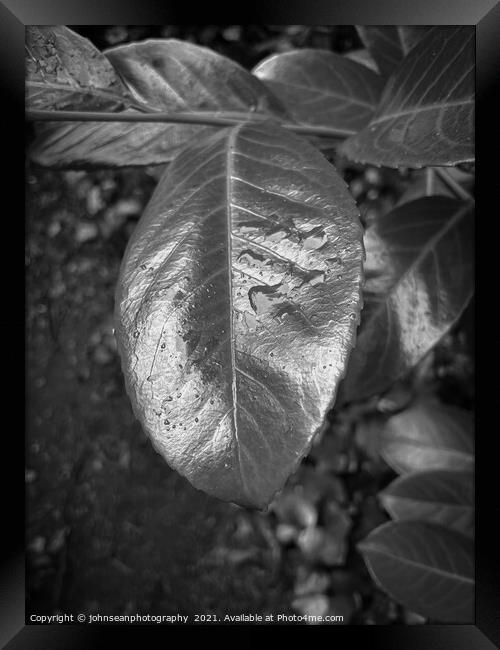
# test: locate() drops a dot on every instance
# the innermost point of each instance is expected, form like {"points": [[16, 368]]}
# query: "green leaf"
{"points": [[321, 88], [66, 72], [429, 435], [162, 75], [419, 274], [427, 568], [440, 496], [233, 323], [389, 44], [426, 114]]}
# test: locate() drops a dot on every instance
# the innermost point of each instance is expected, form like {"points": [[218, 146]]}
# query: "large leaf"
{"points": [[426, 114], [389, 44], [429, 435], [427, 568], [322, 88], [66, 72], [419, 278], [444, 497], [163, 75], [236, 308]]}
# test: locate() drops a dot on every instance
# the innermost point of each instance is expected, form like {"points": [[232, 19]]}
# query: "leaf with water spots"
{"points": [[419, 278], [161, 75], [237, 306], [426, 113], [64, 71]]}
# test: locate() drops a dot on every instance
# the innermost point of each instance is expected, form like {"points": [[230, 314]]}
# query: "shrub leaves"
{"points": [[426, 567], [389, 44], [429, 435], [162, 75], [444, 497], [66, 72], [237, 306], [426, 114], [322, 88], [419, 278]]}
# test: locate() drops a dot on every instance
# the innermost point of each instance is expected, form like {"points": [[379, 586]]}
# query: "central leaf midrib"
{"points": [[229, 193]]}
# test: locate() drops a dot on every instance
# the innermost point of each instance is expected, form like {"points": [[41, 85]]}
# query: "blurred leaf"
{"points": [[310, 582], [364, 57], [427, 568], [64, 71], [368, 430], [294, 509], [418, 280], [236, 242], [426, 114], [444, 497], [162, 75], [429, 435], [322, 88], [318, 545], [313, 605], [389, 44]]}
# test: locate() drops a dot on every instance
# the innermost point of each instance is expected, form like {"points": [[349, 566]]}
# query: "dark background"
{"points": [[110, 528]]}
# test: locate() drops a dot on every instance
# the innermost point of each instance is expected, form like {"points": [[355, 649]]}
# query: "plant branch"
{"points": [[206, 118], [455, 187]]}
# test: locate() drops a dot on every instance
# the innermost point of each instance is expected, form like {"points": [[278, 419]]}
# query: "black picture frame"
{"points": [[14, 16]]}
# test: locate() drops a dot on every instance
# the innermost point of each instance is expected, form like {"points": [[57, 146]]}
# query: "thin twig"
{"points": [[455, 187], [205, 118]]}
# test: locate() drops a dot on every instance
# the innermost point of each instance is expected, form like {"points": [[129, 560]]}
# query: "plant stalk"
{"points": [[455, 187], [206, 118]]}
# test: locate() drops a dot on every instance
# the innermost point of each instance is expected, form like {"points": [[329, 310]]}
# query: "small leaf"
{"points": [[389, 44], [440, 496], [66, 72], [322, 88], [429, 435], [427, 568], [233, 326], [419, 278], [426, 114], [163, 75], [364, 57]]}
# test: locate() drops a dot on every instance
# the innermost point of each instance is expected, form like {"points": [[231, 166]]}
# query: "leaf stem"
{"points": [[207, 118], [455, 187]]}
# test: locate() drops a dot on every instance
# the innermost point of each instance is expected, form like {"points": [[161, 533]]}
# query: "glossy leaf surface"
{"points": [[237, 306], [163, 75], [426, 114], [443, 497], [419, 278], [429, 435], [389, 44], [426, 567], [322, 88], [66, 72]]}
